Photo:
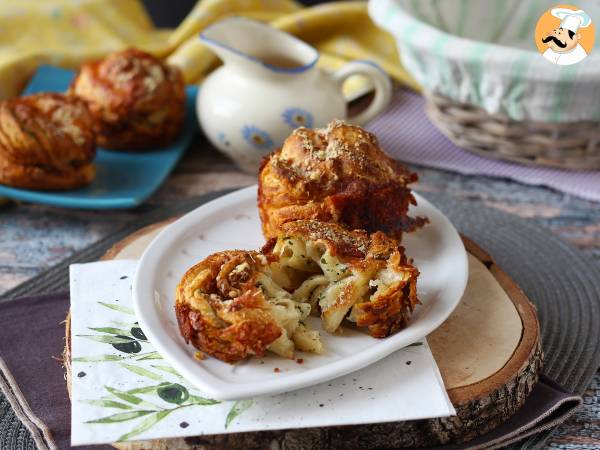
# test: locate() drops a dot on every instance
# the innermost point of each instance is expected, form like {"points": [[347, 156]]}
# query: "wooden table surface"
{"points": [[35, 237]]}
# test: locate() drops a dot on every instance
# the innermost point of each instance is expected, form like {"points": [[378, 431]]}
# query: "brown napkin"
{"points": [[548, 405], [32, 379]]}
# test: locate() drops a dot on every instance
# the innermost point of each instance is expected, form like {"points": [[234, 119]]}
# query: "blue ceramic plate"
{"points": [[123, 180]]}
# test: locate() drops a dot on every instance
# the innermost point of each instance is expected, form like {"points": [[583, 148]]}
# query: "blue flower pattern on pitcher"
{"points": [[258, 138], [297, 117], [223, 139]]}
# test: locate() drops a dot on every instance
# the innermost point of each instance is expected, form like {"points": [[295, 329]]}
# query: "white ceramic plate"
{"points": [[231, 222]]}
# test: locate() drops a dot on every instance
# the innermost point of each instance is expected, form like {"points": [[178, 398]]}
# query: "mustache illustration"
{"points": [[556, 41]]}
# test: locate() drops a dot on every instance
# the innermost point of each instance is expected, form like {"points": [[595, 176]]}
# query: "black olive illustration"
{"points": [[137, 332], [173, 393], [128, 347]]}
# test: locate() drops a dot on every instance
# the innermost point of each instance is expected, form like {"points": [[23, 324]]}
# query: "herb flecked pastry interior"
{"points": [[236, 304]]}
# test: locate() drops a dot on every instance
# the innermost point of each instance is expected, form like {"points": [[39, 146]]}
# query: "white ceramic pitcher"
{"points": [[268, 86]]}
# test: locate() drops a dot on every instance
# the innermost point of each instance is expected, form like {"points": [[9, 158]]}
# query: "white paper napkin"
{"points": [[124, 390]]}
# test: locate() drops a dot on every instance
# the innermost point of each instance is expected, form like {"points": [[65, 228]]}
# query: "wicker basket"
{"points": [[487, 86], [573, 146]]}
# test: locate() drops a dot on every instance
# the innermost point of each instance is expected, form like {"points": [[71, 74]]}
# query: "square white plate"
{"points": [[232, 222]]}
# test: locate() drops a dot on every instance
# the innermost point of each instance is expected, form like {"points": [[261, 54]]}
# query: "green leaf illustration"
{"points": [[146, 424], [99, 358], [107, 339], [196, 400], [146, 389], [141, 371], [119, 308], [151, 355], [121, 417], [130, 398], [124, 325], [110, 330], [173, 393], [238, 408], [167, 369], [107, 404]]}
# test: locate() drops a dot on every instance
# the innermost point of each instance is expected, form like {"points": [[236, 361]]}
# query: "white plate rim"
{"points": [[174, 354]]}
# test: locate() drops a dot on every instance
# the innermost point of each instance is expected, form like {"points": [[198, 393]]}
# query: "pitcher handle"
{"points": [[382, 83]]}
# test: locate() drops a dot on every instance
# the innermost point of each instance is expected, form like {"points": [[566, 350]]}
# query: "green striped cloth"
{"points": [[482, 52]]}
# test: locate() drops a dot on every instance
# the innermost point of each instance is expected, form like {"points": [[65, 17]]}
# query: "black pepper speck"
{"points": [[81, 374], [321, 405], [123, 277], [408, 363], [184, 424]]}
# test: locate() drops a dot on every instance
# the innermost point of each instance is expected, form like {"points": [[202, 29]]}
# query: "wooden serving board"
{"points": [[488, 352]]}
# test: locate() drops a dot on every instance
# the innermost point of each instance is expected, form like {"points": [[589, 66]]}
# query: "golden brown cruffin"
{"points": [[228, 306], [47, 142], [365, 278], [138, 102], [235, 304], [336, 174]]}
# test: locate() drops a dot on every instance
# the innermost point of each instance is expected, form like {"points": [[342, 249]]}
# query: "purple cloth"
{"points": [[406, 132], [32, 339]]}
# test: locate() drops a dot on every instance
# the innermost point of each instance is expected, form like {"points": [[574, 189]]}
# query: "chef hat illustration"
{"points": [[572, 20]]}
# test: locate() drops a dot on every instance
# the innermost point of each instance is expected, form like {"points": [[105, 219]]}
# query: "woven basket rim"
{"points": [[564, 145], [438, 98]]}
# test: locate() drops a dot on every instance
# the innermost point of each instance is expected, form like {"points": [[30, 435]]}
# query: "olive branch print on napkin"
{"points": [[166, 391]]}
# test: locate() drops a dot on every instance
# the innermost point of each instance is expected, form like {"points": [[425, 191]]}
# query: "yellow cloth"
{"points": [[68, 32]]}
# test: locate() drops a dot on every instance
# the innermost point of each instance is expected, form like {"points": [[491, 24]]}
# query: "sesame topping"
{"points": [[324, 157]]}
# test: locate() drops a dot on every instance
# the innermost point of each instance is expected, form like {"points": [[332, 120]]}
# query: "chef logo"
{"points": [[564, 35]]}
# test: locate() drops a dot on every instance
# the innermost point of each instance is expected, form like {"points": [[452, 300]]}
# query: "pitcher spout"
{"points": [[237, 40]]}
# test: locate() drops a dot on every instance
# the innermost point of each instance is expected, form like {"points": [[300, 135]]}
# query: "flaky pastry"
{"points": [[138, 102], [47, 142], [236, 304], [228, 306], [336, 174], [344, 274]]}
